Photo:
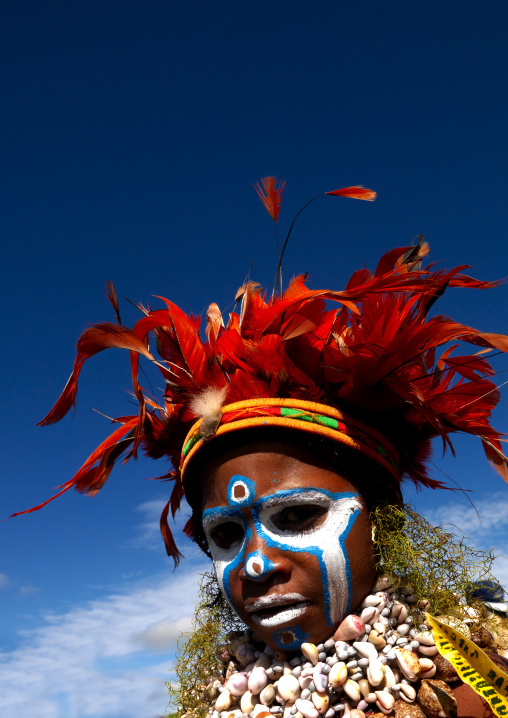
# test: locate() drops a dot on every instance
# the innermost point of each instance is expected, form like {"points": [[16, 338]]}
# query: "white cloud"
{"points": [[27, 589], [488, 531], [5, 581], [162, 636], [101, 660], [493, 511], [147, 532]]}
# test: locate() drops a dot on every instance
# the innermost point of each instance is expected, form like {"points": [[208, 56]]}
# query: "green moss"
{"points": [[199, 652], [437, 565]]}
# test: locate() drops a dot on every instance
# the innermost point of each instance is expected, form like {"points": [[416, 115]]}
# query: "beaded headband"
{"points": [[300, 416]]}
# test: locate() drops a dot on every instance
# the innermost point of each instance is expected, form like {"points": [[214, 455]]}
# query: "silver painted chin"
{"points": [[279, 615]]}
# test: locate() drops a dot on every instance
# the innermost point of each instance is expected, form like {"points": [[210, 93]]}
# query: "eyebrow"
{"points": [[220, 512], [293, 496]]}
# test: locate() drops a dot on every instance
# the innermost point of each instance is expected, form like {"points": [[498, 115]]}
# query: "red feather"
{"points": [[92, 341], [89, 479], [389, 260], [169, 542], [496, 458], [112, 296]]}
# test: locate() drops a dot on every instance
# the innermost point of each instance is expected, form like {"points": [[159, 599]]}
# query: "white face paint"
{"points": [[272, 524]]}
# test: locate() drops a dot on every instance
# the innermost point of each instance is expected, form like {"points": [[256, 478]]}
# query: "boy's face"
{"points": [[290, 539]]}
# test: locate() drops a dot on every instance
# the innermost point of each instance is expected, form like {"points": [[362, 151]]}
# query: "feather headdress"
{"points": [[370, 350]]}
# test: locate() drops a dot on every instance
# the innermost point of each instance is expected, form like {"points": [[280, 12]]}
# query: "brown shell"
{"points": [[436, 699], [408, 710], [445, 671]]}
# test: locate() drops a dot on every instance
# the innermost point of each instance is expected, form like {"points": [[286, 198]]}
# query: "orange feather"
{"points": [[355, 192], [270, 191]]}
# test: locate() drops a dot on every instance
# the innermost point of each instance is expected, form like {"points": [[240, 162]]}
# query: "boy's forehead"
{"points": [[241, 478]]}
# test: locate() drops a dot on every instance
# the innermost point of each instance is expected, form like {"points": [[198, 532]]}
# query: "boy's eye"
{"points": [[226, 534], [300, 518]]}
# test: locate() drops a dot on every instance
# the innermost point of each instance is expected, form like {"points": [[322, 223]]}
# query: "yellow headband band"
{"points": [[302, 416]]}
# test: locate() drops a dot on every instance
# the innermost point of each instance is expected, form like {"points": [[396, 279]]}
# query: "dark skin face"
{"points": [[270, 547]]}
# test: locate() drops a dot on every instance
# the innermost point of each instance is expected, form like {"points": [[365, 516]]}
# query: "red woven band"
{"points": [[301, 416]]}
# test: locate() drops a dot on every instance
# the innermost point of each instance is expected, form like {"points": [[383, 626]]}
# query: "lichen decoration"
{"points": [[438, 567], [202, 654]]}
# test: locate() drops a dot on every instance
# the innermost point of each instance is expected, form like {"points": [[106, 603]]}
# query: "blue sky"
{"points": [[131, 136]]}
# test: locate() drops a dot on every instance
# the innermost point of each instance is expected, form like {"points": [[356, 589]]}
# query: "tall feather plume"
{"points": [[270, 191]]}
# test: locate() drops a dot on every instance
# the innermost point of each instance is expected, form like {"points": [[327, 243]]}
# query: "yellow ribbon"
{"points": [[473, 665]]}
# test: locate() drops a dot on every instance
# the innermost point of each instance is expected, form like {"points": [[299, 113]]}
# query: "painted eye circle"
{"points": [[239, 492], [227, 534], [300, 518]]}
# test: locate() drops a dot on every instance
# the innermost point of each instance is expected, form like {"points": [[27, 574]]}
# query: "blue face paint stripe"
{"points": [[227, 573], [233, 511], [300, 636], [227, 512], [239, 558], [315, 551]]}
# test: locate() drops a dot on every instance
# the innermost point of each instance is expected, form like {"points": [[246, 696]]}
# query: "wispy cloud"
{"points": [[102, 659], [13, 583], [5, 581], [486, 532], [163, 635], [147, 533], [492, 520], [27, 589]]}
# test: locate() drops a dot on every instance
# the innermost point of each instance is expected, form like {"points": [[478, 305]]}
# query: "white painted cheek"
{"points": [[326, 538], [334, 556]]}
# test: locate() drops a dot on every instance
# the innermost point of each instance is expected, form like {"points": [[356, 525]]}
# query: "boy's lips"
{"points": [[272, 610]]}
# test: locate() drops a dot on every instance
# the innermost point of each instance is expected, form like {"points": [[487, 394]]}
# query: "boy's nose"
{"points": [[258, 566]]}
